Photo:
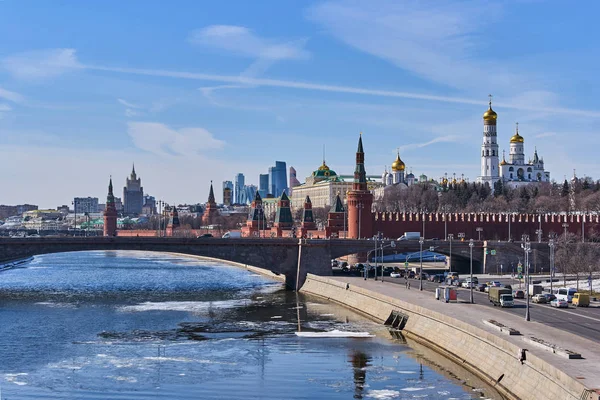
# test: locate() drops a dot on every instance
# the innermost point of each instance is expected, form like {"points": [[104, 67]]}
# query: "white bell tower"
{"points": [[489, 149]]}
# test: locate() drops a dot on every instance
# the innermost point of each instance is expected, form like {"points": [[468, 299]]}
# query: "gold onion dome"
{"points": [[490, 115], [324, 167], [398, 164], [516, 138]]}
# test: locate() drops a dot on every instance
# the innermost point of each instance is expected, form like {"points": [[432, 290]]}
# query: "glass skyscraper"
{"points": [[263, 185], [278, 179], [240, 181]]}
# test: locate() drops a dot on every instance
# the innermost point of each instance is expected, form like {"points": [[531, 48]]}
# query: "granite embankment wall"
{"points": [[490, 357]]}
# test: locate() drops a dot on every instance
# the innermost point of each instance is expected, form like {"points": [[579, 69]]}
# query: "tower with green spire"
{"points": [[110, 212], [283, 218], [360, 200]]}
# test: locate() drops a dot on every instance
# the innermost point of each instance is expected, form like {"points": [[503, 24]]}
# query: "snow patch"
{"points": [[335, 334], [383, 394]]}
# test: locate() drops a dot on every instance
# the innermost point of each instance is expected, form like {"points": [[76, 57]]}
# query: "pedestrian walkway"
{"points": [[587, 369]]}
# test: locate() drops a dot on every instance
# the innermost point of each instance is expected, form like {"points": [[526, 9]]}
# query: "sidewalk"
{"points": [[586, 370]]}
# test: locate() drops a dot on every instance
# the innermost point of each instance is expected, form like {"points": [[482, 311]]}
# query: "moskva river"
{"points": [[139, 325]]}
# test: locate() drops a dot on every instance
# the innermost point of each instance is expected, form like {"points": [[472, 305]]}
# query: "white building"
{"points": [[514, 173], [322, 186]]}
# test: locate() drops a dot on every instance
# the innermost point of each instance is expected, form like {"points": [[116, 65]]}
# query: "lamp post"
{"points": [[375, 259], [450, 237], [421, 240], [359, 207], [479, 230], [87, 226], [471, 244], [539, 232], [509, 219], [526, 248], [583, 228], [551, 244], [345, 211], [74, 218]]}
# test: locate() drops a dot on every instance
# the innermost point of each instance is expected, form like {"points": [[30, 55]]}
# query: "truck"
{"points": [[410, 236], [500, 296], [230, 234], [535, 289]]}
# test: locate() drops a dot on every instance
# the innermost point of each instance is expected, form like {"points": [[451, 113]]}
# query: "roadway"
{"points": [[584, 322]]}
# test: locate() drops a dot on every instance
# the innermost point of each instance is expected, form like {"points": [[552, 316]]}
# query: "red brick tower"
{"points": [[308, 219], [210, 212], [256, 220], [173, 221], [110, 213], [283, 218], [336, 218], [360, 199]]}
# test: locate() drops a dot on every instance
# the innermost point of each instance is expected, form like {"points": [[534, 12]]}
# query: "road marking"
{"points": [[569, 311]]}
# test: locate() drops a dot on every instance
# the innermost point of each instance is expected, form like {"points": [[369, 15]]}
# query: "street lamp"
{"points": [[74, 218], [479, 230], [471, 244], [450, 237], [539, 232], [526, 248], [421, 240], [551, 244]]}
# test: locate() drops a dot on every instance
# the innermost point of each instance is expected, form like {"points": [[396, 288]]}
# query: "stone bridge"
{"points": [[292, 258]]}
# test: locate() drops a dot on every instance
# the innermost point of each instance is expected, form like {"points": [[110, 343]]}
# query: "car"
{"points": [[539, 298], [206, 235], [468, 284], [411, 274], [518, 294], [481, 287], [549, 297], [395, 275], [558, 303]]}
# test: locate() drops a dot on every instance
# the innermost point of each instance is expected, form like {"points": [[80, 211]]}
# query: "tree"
{"points": [[565, 189]]}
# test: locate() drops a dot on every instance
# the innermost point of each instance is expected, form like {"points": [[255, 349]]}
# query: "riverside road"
{"points": [[584, 322]]}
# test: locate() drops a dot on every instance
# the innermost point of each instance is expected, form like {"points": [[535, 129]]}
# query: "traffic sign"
{"points": [[431, 248], [406, 264], [493, 252], [519, 268], [486, 251], [520, 276]]}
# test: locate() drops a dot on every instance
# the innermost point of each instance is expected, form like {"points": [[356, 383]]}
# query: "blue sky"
{"points": [[198, 91]]}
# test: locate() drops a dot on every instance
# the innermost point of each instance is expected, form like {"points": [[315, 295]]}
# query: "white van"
{"points": [[565, 294], [230, 234]]}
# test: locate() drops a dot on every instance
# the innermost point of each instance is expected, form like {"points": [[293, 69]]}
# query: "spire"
{"points": [[133, 175], [307, 200], [284, 196], [110, 199], [211, 194], [490, 103], [517, 127], [257, 197], [536, 159], [339, 206], [360, 146]]}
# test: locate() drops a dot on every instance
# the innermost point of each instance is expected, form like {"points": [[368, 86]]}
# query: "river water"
{"points": [[140, 325]]}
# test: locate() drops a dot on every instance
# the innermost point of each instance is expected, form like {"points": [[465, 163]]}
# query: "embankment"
{"points": [[492, 358]]}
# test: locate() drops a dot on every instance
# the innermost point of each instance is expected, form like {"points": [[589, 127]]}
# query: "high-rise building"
{"points": [[263, 185], [293, 179], [133, 194], [240, 181], [227, 192], [278, 179], [9, 211], [248, 193], [83, 205], [149, 207]]}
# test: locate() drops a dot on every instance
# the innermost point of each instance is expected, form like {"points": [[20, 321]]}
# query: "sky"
{"points": [[197, 91]]}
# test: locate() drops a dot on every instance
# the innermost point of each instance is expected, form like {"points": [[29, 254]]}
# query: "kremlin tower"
{"points": [[210, 212], [360, 200], [110, 213]]}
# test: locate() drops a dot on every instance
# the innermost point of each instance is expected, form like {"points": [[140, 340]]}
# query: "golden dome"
{"points": [[503, 162], [398, 164], [490, 115], [516, 138], [324, 167]]}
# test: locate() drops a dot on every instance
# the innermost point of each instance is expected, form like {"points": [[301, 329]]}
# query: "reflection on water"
{"points": [[142, 325]]}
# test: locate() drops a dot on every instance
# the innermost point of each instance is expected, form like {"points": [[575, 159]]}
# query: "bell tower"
{"points": [[490, 172]]}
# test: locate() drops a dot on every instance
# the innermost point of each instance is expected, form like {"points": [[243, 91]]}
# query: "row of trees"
{"points": [[580, 195], [573, 257]]}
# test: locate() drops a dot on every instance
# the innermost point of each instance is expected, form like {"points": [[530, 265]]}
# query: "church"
{"points": [[394, 180], [516, 171]]}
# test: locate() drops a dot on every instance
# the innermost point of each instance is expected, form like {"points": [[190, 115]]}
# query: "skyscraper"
{"points": [[83, 205], [133, 194], [239, 187], [263, 185], [278, 179]]}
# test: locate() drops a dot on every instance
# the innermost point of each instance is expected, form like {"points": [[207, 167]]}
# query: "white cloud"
{"points": [[5, 107], [439, 139], [160, 139], [128, 104], [132, 113], [242, 41], [11, 96], [545, 134], [441, 42], [41, 64]]}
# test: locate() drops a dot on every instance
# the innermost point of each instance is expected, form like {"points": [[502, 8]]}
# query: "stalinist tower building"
{"points": [[489, 149]]}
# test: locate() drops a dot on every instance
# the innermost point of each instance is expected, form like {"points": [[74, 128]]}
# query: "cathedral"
{"points": [[396, 179], [516, 171]]}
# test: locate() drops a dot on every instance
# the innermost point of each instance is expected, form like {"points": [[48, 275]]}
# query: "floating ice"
{"points": [[383, 394], [335, 334], [416, 389]]}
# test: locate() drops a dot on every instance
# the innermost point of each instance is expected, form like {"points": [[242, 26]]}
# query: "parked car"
{"points": [[395, 275], [439, 278], [519, 294], [539, 298], [411, 274], [468, 284], [206, 235], [481, 287], [549, 297], [558, 303]]}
